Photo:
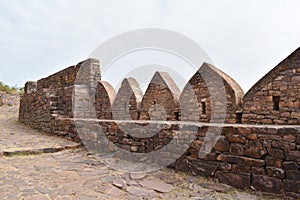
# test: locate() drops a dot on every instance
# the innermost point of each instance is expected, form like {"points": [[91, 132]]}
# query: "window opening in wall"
{"points": [[101, 107], [276, 100], [238, 118], [176, 116], [154, 103], [203, 108], [138, 115]]}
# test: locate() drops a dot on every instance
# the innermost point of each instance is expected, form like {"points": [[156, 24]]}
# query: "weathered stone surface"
{"points": [[222, 145], [240, 168], [275, 172], [255, 149], [273, 162], [252, 136], [266, 184], [181, 164], [293, 174], [119, 183], [276, 153], [289, 138], [293, 155], [236, 149], [236, 139], [290, 165], [157, 185], [137, 175], [292, 186], [258, 170], [139, 192], [201, 168], [241, 160], [284, 145], [235, 180]]}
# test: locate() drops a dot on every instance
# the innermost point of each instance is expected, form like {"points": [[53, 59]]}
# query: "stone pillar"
{"points": [[30, 86]]}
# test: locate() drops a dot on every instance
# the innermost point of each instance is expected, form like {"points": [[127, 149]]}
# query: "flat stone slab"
{"points": [[138, 191], [137, 176], [120, 183], [157, 185]]}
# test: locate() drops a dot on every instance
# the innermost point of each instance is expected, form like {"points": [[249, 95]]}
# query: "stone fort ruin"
{"points": [[259, 143]]}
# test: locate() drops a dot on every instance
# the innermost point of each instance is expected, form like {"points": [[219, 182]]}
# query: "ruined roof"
{"points": [[134, 85], [238, 91], [109, 89], [167, 79], [290, 62]]}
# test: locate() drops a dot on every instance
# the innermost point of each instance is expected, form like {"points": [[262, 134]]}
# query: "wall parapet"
{"points": [[259, 148]]}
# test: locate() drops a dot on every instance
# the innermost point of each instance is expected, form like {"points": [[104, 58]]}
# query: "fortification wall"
{"points": [[275, 99], [48, 100], [261, 158], [247, 155]]}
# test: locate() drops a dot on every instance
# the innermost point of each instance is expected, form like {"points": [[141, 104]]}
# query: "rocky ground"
{"points": [[38, 166]]}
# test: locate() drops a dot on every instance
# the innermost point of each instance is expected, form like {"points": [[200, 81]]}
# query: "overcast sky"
{"points": [[245, 38]]}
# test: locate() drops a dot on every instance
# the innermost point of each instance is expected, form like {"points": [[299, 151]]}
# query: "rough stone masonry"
{"points": [[259, 144]]}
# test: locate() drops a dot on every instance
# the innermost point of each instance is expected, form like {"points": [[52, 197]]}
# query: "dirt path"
{"points": [[17, 138]]}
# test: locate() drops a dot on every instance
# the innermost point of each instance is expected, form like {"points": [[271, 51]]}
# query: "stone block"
{"points": [[293, 175], [236, 139], [273, 162], [275, 172], [284, 145], [241, 160], [276, 153], [292, 186], [202, 169], [255, 149], [290, 165], [222, 145], [235, 180], [236, 149], [293, 155], [258, 170], [267, 184]]}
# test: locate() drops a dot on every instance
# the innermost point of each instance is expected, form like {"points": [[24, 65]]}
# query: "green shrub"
{"points": [[11, 90]]}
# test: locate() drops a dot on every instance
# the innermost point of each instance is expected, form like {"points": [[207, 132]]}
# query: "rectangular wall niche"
{"points": [[203, 108], [276, 100]]}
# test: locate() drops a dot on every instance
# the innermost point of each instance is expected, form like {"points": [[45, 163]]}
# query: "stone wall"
{"points": [[46, 101], [261, 157], [127, 103], [9, 99], [105, 94], [275, 99], [208, 88], [161, 99], [264, 158]]}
